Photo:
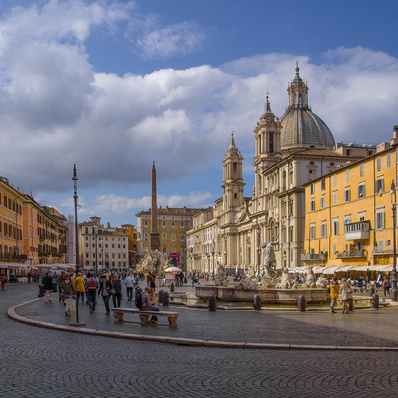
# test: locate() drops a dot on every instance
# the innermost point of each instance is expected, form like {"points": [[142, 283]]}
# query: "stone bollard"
{"points": [[371, 291], [160, 296], [172, 287], [257, 302], [212, 303], [301, 303], [166, 299], [375, 301]]}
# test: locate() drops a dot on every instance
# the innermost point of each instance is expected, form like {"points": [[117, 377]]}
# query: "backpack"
{"points": [[138, 300], [91, 284]]}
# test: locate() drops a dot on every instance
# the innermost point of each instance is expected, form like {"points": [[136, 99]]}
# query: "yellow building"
{"points": [[173, 223], [348, 221], [133, 243]]}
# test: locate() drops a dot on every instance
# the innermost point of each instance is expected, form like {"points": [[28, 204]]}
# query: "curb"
{"points": [[11, 313]]}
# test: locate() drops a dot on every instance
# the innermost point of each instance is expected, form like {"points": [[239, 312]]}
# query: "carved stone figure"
{"points": [[249, 280], [310, 278], [322, 282], [153, 260], [221, 278], [285, 280], [268, 273]]}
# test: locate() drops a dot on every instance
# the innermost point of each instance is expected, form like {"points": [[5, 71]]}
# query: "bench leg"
{"points": [[172, 321], [118, 317], [144, 319]]}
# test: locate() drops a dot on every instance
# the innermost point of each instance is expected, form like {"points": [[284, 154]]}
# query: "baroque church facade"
{"points": [[290, 151]]}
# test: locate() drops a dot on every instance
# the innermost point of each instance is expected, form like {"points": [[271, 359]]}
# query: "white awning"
{"points": [[330, 270]]}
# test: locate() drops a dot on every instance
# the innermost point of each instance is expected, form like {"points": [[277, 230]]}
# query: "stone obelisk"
{"points": [[154, 239]]}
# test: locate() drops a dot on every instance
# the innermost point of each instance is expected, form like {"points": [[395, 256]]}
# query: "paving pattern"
{"points": [[37, 362]]}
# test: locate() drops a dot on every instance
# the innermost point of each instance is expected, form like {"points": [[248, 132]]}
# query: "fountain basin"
{"points": [[267, 295]]}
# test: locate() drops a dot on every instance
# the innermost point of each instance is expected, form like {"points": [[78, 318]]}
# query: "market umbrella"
{"points": [[173, 269]]}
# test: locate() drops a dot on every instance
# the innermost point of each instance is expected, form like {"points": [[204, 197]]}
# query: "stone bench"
{"points": [[144, 315]]}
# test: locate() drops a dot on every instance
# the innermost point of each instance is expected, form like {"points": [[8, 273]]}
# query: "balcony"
{"points": [[380, 251], [357, 230], [352, 254], [313, 257]]}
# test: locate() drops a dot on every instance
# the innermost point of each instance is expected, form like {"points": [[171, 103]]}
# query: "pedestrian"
{"points": [[346, 295], [47, 283], [104, 290], [334, 293], [91, 290], [129, 282], [61, 280], [386, 286], [116, 291], [68, 295], [29, 276], [80, 286], [3, 282], [148, 305], [151, 283]]}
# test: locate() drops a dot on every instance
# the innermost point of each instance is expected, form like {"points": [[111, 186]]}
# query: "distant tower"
{"points": [[155, 240]]}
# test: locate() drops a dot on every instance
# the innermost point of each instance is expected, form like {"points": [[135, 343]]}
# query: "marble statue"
{"points": [[310, 278], [221, 278], [268, 273], [285, 281]]}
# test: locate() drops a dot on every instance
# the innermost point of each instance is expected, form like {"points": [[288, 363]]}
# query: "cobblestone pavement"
{"points": [[37, 362]]}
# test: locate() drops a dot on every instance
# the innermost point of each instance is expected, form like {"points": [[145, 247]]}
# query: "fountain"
{"points": [[268, 285]]}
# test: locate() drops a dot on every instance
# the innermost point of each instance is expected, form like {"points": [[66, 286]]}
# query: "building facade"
{"points": [[11, 224], [289, 152], [173, 223], [349, 212], [102, 247]]}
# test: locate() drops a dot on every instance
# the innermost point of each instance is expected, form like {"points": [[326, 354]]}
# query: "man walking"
{"points": [[129, 282], [47, 283]]}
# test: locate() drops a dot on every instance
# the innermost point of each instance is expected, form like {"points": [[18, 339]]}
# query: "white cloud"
{"points": [[181, 38], [55, 111]]}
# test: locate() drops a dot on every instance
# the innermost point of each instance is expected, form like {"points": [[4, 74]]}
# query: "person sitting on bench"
{"points": [[147, 304]]}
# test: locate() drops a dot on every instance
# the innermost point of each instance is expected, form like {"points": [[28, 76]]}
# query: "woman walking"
{"points": [[346, 295]]}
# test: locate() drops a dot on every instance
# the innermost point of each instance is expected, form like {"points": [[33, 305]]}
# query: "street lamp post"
{"points": [[212, 253], [394, 259], [75, 197], [258, 249]]}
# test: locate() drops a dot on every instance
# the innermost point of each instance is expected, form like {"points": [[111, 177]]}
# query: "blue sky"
{"points": [[114, 85]]}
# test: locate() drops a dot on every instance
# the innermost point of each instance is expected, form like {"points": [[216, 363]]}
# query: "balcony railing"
{"points": [[357, 230], [313, 257], [352, 254], [379, 251]]}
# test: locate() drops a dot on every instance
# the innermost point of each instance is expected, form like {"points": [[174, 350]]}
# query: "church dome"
{"points": [[302, 128]]}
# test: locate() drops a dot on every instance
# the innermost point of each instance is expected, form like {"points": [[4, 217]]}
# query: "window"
{"points": [[361, 191], [347, 175], [378, 163], [379, 220], [312, 205], [323, 230], [322, 202], [347, 195], [335, 180], [312, 232], [323, 184], [312, 189], [388, 160], [379, 184], [335, 227], [335, 198]]}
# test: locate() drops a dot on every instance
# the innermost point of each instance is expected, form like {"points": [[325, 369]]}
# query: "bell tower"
{"points": [[233, 181], [268, 144]]}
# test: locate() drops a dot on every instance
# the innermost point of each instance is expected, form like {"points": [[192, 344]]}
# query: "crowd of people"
{"points": [[87, 288]]}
